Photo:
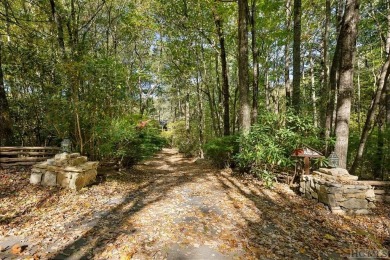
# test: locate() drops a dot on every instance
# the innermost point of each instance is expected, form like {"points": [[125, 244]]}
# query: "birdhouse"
{"points": [[306, 153]]}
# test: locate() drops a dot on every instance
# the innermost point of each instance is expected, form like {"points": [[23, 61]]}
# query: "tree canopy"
{"points": [[89, 70]]}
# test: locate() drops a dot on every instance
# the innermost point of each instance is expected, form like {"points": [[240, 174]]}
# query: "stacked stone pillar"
{"points": [[71, 171], [339, 190]]}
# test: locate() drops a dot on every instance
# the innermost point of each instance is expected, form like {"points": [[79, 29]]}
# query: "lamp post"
{"points": [[333, 160], [66, 145]]}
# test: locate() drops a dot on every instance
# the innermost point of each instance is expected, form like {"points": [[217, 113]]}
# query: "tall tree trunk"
{"points": [[313, 90], [371, 115], [378, 162], [224, 72], [340, 6], [217, 102], [358, 102], [58, 21], [387, 99], [214, 116], [347, 40], [332, 95], [7, 20], [243, 77], [375, 102], [187, 113], [296, 91], [387, 107], [200, 115], [267, 90], [5, 120], [255, 64], [325, 58], [287, 60]]}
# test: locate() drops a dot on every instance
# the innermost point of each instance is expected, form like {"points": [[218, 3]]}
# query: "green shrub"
{"points": [[268, 146], [222, 150], [186, 141], [128, 141]]}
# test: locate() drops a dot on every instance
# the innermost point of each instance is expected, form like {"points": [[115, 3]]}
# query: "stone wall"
{"points": [[338, 190], [66, 170]]}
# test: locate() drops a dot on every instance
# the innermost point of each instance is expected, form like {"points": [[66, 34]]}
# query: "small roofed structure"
{"points": [[306, 153]]}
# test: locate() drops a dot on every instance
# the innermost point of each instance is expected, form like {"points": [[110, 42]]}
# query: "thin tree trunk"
{"points": [[371, 115], [243, 77], [332, 95], [212, 112], [358, 105], [296, 91], [7, 20], [287, 60], [267, 91], [340, 6], [325, 58], [236, 125], [378, 162], [224, 72], [216, 102], [387, 128], [347, 37], [387, 106], [313, 90], [255, 64], [187, 113], [200, 115], [59, 24], [387, 100], [5, 120]]}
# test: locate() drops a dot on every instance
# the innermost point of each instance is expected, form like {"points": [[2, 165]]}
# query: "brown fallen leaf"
{"points": [[128, 255], [16, 249]]}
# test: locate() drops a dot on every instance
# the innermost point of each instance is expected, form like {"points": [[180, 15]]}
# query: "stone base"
{"points": [[66, 170], [339, 191]]}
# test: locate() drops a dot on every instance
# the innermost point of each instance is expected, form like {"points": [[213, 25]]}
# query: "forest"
{"points": [[185, 119], [242, 83]]}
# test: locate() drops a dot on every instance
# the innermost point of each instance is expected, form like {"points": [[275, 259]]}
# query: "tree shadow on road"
{"points": [[287, 229], [115, 222]]}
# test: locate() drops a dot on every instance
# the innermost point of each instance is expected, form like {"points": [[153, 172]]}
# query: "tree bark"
{"points": [[325, 58], [5, 120], [340, 6], [187, 113], [387, 106], [378, 162], [332, 97], [347, 40], [224, 72], [313, 90], [57, 19], [296, 91], [287, 60], [371, 115], [255, 64], [200, 115], [243, 77]]}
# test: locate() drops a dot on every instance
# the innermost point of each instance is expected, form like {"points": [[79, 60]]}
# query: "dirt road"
{"points": [[171, 207]]}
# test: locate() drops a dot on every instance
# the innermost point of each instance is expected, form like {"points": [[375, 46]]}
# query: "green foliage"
{"points": [[185, 140], [268, 146], [221, 151], [127, 141], [320, 162]]}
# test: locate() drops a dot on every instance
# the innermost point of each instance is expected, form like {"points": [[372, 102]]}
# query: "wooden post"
{"points": [[306, 162]]}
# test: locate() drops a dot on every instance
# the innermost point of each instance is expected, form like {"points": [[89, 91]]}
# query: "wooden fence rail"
{"points": [[25, 156]]}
